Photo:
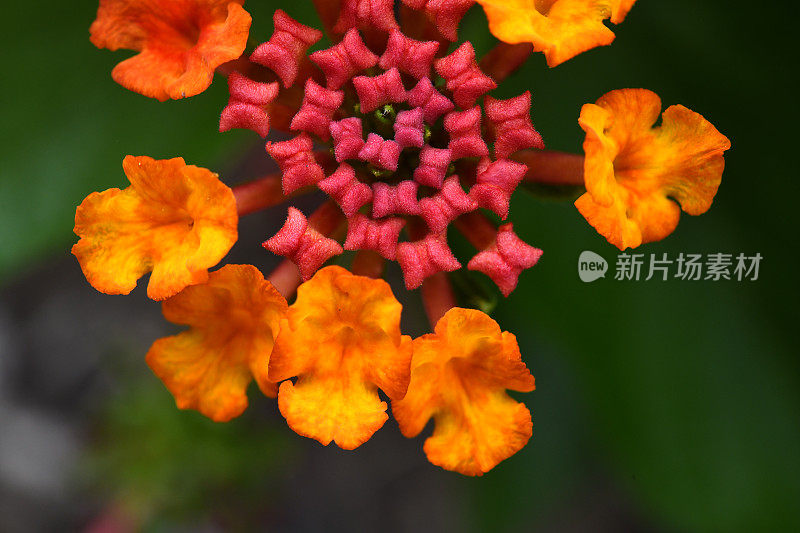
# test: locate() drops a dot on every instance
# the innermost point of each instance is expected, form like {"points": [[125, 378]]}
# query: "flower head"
{"points": [[175, 220], [459, 377], [561, 29], [411, 150], [234, 320], [633, 170], [180, 42], [342, 340]]}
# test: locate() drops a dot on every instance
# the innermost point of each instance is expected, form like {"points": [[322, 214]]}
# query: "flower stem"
{"points": [[368, 263], [261, 194], [505, 59], [328, 11], [437, 297], [479, 230], [285, 278], [549, 167]]}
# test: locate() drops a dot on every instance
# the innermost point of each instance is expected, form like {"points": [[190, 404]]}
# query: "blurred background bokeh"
{"points": [[660, 406]]}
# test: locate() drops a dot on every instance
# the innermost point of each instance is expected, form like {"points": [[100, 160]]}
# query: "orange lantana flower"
{"points": [[180, 42], [561, 29], [342, 338], [633, 170], [176, 220], [459, 377], [234, 319]]}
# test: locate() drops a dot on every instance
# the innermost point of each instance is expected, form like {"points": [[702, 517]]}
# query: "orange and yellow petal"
{"points": [[174, 220], [342, 340], [459, 377], [561, 29], [633, 171], [180, 42], [233, 320]]}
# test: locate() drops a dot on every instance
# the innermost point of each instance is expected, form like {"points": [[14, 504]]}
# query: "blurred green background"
{"points": [[679, 399]]}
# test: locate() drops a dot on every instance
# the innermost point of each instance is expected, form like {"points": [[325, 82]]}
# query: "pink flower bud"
{"points": [[505, 259], [446, 205], [511, 121], [344, 187], [378, 235], [425, 258], [287, 47], [303, 245], [464, 128], [366, 14], [445, 14], [394, 200], [348, 138], [345, 60], [432, 102], [247, 106], [378, 90], [464, 77], [433, 164], [316, 113], [296, 160], [410, 56], [495, 183], [409, 128], [380, 153]]}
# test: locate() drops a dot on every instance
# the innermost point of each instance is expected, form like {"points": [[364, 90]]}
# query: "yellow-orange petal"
{"points": [[233, 320], [459, 377], [633, 170], [342, 339], [180, 42], [174, 220], [561, 29]]}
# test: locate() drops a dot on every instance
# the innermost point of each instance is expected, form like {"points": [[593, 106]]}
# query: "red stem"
{"points": [[327, 219], [437, 297], [505, 59], [552, 168], [328, 11], [258, 194], [368, 263], [479, 230], [285, 278]]}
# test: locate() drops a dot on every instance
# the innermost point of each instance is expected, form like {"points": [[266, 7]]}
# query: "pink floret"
{"points": [[464, 128], [345, 60], [433, 103], [409, 128], [380, 153], [247, 106], [378, 90], [348, 138], [296, 160], [378, 235], [511, 121], [425, 258], [505, 260], [366, 14], [464, 77], [495, 183], [445, 14], [433, 165], [446, 205], [316, 112], [303, 245], [394, 200], [287, 47], [408, 55], [344, 187]]}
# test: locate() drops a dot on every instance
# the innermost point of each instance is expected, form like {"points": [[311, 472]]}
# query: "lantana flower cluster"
{"points": [[394, 120]]}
